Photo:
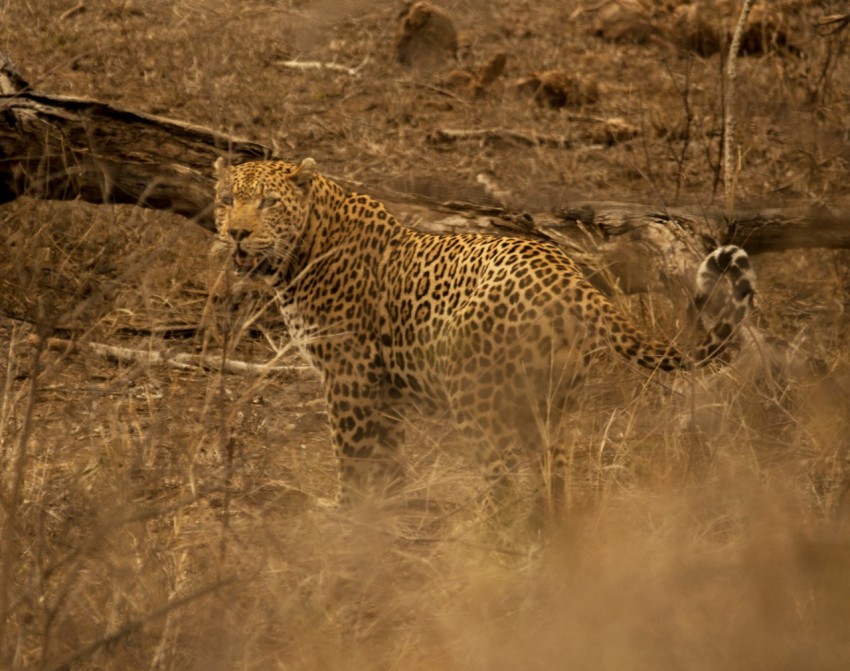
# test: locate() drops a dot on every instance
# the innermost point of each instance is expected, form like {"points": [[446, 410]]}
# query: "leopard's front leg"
{"points": [[367, 434]]}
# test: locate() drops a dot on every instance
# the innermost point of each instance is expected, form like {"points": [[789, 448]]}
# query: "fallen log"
{"points": [[64, 148], [60, 147]]}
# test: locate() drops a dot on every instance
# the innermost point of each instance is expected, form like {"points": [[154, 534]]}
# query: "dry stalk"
{"points": [[730, 149], [12, 500], [684, 92]]}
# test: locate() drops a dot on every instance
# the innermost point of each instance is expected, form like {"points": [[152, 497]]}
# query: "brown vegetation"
{"points": [[163, 518]]}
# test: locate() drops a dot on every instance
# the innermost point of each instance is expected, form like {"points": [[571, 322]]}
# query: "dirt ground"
{"points": [[155, 517]]}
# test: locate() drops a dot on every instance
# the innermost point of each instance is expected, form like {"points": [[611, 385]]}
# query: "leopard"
{"points": [[498, 332]]}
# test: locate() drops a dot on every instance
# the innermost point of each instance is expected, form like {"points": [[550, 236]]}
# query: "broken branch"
{"points": [[179, 360]]}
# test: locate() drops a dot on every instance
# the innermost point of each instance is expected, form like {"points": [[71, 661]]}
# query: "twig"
{"points": [[834, 23], [71, 11], [179, 360], [497, 134], [730, 149], [135, 625], [319, 65]]}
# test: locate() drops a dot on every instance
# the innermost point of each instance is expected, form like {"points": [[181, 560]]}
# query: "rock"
{"points": [[475, 83], [697, 28], [426, 36], [626, 21], [705, 27], [557, 88], [491, 70]]}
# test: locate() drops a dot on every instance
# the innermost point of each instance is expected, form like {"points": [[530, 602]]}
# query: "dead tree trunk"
{"points": [[62, 148]]}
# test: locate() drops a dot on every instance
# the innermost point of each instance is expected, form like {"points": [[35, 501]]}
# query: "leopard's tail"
{"points": [[725, 286], [735, 297]]}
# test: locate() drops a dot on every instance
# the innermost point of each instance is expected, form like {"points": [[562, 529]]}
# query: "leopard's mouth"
{"points": [[254, 265]]}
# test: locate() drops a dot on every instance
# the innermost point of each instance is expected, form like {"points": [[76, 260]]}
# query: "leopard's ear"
{"points": [[304, 173]]}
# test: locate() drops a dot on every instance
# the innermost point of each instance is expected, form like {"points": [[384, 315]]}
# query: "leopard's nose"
{"points": [[239, 233]]}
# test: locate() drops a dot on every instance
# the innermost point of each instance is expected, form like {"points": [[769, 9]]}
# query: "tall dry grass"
{"points": [[133, 541], [166, 519]]}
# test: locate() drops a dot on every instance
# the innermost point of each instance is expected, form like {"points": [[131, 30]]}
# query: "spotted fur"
{"points": [[499, 331]]}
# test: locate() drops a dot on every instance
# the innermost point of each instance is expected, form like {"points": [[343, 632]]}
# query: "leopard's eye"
{"points": [[226, 200], [268, 201]]}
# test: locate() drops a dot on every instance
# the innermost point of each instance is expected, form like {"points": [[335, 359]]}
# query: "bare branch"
{"points": [[497, 135], [319, 65], [179, 360], [613, 130]]}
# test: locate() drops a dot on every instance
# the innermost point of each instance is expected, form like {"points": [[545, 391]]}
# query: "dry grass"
{"points": [[162, 519]]}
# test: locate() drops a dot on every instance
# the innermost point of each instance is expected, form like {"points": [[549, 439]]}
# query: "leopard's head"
{"points": [[261, 213]]}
